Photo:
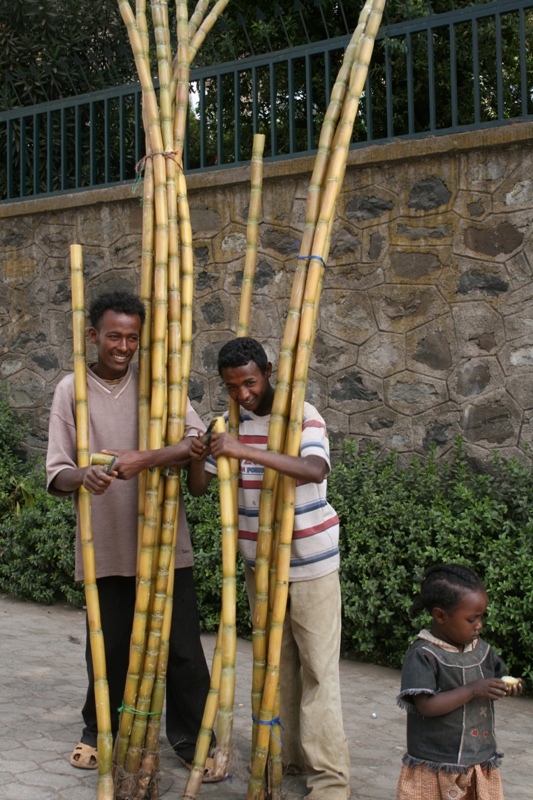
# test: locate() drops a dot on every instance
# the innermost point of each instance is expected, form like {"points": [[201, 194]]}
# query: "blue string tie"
{"points": [[318, 258], [270, 723]]}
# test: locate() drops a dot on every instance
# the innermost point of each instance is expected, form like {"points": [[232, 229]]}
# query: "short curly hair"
{"points": [[120, 302], [443, 586], [239, 352]]}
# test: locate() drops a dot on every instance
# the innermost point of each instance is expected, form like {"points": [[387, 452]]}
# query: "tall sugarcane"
{"points": [[101, 688], [137, 31], [203, 742], [204, 738], [229, 604], [335, 173], [159, 134], [147, 260], [165, 129], [250, 264], [281, 404], [280, 410]]}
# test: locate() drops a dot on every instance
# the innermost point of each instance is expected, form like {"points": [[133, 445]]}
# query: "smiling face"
{"points": [[117, 339], [250, 387], [462, 624]]}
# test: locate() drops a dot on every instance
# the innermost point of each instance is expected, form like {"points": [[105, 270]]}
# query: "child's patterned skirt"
{"points": [[422, 783]]}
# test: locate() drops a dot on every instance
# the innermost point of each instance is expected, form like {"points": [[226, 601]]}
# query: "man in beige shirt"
{"points": [[112, 387]]}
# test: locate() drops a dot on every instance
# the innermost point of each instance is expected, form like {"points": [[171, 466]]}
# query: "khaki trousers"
{"points": [[313, 733]]}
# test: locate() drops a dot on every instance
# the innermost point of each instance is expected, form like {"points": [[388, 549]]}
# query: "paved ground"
{"points": [[42, 684]]}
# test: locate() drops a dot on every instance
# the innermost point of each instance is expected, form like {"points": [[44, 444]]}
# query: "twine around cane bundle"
{"points": [[140, 165]]}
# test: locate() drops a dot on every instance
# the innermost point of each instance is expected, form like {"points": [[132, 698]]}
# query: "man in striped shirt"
{"points": [[311, 715]]}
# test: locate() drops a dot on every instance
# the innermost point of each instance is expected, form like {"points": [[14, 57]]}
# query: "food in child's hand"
{"points": [[509, 680]]}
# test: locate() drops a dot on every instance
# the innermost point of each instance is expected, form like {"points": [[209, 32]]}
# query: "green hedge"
{"points": [[203, 517], [36, 530], [395, 521]]}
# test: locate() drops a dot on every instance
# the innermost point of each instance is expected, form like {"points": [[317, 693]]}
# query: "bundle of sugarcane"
{"points": [[290, 390], [166, 290]]}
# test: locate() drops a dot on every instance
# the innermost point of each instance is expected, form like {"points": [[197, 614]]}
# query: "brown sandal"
{"points": [[84, 756]]}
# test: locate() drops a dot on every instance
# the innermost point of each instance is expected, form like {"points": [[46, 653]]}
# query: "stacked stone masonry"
{"points": [[426, 318]]}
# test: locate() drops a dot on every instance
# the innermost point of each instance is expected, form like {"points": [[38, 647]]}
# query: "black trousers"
{"points": [[187, 674]]}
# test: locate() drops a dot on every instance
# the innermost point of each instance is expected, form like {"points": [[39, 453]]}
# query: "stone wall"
{"points": [[426, 320]]}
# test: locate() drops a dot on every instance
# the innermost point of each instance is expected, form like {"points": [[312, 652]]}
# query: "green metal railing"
{"points": [[465, 69]]}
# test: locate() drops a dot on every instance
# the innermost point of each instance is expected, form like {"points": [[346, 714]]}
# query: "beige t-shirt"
{"points": [[113, 423]]}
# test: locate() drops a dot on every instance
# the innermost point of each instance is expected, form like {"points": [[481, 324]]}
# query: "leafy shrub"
{"points": [[203, 517], [37, 548], [36, 531], [397, 522]]}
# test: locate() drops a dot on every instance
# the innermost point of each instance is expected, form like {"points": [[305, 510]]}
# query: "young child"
{"points": [[450, 678], [313, 734]]}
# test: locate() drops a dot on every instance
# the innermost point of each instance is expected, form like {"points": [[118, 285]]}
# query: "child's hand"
{"points": [[492, 688], [513, 689]]}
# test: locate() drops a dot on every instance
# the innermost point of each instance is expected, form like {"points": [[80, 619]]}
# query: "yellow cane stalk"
{"points": [[286, 357], [229, 600], [197, 16], [162, 601], [250, 263], [252, 234], [157, 412], [280, 408], [101, 688], [147, 776], [275, 763], [150, 760], [336, 167], [147, 264], [187, 289], [144, 705], [203, 742], [199, 36]]}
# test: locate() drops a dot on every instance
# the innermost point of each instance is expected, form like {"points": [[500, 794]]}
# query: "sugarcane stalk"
{"points": [[229, 600], [162, 603], [266, 713], [281, 402], [101, 688], [157, 411], [158, 392], [150, 758], [252, 233], [275, 763], [147, 270], [250, 263], [144, 704], [197, 16], [203, 742], [202, 31]]}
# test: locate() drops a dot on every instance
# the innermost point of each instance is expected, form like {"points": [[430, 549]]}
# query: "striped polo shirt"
{"points": [[315, 543]]}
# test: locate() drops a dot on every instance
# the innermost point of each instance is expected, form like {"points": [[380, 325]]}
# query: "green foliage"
{"points": [[59, 48], [203, 517], [36, 531], [396, 522], [37, 549]]}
